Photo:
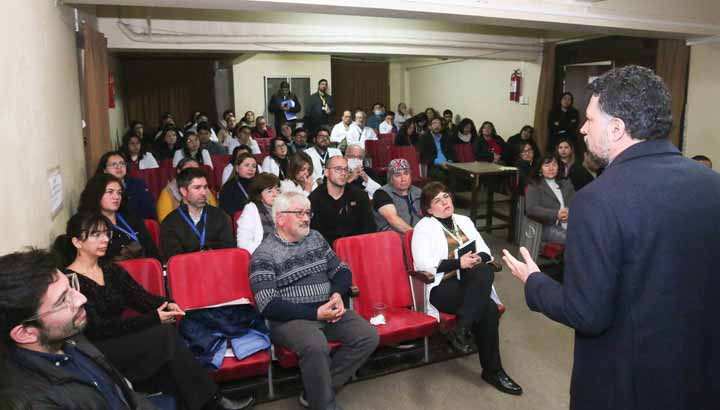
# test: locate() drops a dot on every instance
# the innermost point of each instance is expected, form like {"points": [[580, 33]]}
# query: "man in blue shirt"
{"points": [[436, 150]]}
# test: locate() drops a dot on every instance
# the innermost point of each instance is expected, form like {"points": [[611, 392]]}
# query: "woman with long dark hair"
{"points": [[192, 149], [136, 194], [137, 157], [167, 144], [548, 198], [408, 134], [466, 133], [563, 122], [277, 162], [299, 177], [235, 192], [256, 221], [512, 153], [495, 142]]}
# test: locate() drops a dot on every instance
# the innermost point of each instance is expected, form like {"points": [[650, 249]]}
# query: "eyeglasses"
{"points": [[273, 190], [68, 301], [440, 198], [97, 235], [309, 214], [118, 164], [340, 170]]}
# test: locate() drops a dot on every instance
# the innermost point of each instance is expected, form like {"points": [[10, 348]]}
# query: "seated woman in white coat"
{"points": [[256, 222], [277, 162], [300, 171], [461, 286], [191, 149]]}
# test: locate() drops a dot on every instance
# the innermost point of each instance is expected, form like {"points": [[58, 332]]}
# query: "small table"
{"points": [[477, 171]]}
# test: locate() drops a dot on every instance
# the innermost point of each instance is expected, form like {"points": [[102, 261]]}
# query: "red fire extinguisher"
{"points": [[515, 83]]}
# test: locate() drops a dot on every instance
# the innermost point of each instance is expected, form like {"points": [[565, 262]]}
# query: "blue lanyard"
{"points": [[411, 207], [194, 228], [127, 230], [242, 188]]}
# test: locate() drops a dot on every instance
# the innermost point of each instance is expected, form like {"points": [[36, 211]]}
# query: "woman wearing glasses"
{"points": [[255, 222], [277, 162], [130, 239], [145, 348], [136, 194], [460, 286]]}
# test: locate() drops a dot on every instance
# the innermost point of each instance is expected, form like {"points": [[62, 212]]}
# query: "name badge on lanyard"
{"points": [[189, 221], [126, 228]]}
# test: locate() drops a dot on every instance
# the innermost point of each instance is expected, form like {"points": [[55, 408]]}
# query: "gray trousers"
{"points": [[322, 374]]}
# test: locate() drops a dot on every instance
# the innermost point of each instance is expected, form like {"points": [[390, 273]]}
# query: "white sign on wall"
{"points": [[56, 190]]}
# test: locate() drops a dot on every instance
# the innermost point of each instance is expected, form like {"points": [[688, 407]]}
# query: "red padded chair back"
{"points": [[407, 249], [219, 164], [208, 278], [210, 173], [380, 153], [378, 269], [259, 158], [148, 273], [234, 221], [387, 139], [464, 153], [264, 145], [411, 155], [153, 179], [167, 170], [153, 228]]}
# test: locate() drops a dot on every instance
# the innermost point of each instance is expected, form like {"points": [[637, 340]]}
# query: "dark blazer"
{"points": [[176, 236], [641, 285], [232, 198], [34, 382], [274, 106], [563, 124], [428, 151], [314, 114], [139, 200], [542, 205]]}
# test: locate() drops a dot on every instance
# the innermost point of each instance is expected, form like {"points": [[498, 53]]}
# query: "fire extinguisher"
{"points": [[515, 83]]}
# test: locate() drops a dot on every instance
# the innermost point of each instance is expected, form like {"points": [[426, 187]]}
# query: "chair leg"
{"points": [[427, 350], [271, 387]]}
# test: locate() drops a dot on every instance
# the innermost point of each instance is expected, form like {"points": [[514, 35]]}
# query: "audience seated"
{"points": [[388, 124], [548, 198], [407, 135], [320, 106], [703, 160], [436, 151], [584, 173], [448, 118], [138, 157], [359, 133], [242, 135], [339, 210], [580, 173], [167, 120], [566, 153], [214, 148], [563, 122], [136, 194], [225, 115], [299, 284], [286, 130], [360, 177], [170, 197], [167, 144], [191, 149], [340, 130], [129, 238], [421, 124], [514, 143], [460, 286], [494, 141], [248, 119], [284, 105], [262, 130], [376, 116], [431, 113], [300, 171], [46, 359], [138, 128], [401, 115], [396, 205], [466, 133], [146, 348], [193, 226], [525, 164], [299, 141], [321, 151], [255, 222], [277, 162], [231, 127], [235, 192], [230, 167]]}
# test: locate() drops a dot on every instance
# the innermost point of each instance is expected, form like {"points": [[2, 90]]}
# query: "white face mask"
{"points": [[354, 163], [465, 137], [379, 112]]}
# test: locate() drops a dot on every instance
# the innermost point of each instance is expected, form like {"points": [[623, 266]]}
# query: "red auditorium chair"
{"points": [[259, 158], [153, 179], [207, 278], [264, 145], [379, 151], [210, 173], [531, 237], [219, 164], [153, 228], [167, 170], [234, 221], [378, 269], [147, 272], [387, 139], [464, 153], [413, 158]]}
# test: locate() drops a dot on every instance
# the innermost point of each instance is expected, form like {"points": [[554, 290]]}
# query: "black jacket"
{"points": [[139, 200], [563, 124], [274, 106], [121, 240], [428, 151], [314, 114], [232, 198], [511, 153], [350, 215], [32, 382], [176, 236]]}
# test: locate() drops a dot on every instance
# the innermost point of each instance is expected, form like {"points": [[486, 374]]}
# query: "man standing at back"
{"points": [[320, 106], [641, 286]]}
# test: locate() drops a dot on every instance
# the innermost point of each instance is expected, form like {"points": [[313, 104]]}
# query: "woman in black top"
{"points": [[146, 348], [103, 194], [167, 144], [525, 164], [515, 143], [408, 134], [235, 193], [466, 133], [563, 122]]}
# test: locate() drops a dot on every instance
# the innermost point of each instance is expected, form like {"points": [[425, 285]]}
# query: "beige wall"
{"points": [[478, 89], [249, 73], [116, 115], [40, 97], [702, 133]]}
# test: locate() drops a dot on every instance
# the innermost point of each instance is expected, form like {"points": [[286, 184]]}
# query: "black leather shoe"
{"points": [[460, 339], [501, 381], [224, 403]]}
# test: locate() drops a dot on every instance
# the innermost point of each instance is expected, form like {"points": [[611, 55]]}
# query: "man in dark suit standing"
{"points": [[641, 287], [320, 106]]}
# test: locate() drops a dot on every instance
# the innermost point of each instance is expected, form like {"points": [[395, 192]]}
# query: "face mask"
{"points": [[465, 137], [354, 163], [379, 112]]}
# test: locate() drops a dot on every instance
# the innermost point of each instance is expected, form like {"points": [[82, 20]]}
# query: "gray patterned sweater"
{"points": [[291, 279]]}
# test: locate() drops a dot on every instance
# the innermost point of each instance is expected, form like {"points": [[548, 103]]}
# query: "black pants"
{"points": [[157, 357], [469, 298]]}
